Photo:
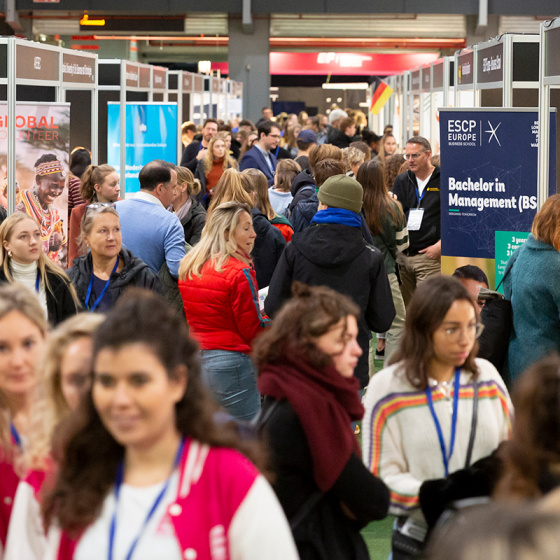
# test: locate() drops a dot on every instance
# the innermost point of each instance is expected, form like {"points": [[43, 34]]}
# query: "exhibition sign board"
{"points": [[151, 133], [42, 133], [488, 182]]}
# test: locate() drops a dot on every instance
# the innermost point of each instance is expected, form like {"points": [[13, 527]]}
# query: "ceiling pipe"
{"points": [[247, 18], [482, 17]]}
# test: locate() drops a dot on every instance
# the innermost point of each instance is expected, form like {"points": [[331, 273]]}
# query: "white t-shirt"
{"points": [[422, 183], [158, 540]]}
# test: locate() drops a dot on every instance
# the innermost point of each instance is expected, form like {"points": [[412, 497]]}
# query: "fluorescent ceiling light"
{"points": [[350, 85]]}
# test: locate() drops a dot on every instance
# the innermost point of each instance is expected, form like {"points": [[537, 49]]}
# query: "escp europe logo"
{"points": [[493, 133]]}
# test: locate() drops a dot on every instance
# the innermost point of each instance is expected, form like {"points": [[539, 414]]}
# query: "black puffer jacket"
{"points": [[193, 222], [60, 304], [135, 273], [337, 256], [269, 245]]}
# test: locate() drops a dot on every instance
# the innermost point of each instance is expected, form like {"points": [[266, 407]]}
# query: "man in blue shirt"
{"points": [[259, 156], [149, 230]]}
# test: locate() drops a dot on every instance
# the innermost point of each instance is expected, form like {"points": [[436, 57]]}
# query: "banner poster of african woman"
{"points": [[42, 159]]}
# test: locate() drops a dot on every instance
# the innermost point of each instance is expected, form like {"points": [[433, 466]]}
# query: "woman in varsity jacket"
{"points": [[144, 470]]}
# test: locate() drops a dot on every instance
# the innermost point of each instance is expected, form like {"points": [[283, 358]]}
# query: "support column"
{"points": [[248, 60]]}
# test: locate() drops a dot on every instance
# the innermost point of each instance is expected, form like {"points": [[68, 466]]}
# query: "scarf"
{"points": [[325, 403], [337, 216]]}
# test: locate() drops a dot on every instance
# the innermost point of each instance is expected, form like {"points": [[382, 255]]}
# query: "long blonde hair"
{"points": [[50, 406], [209, 156], [16, 297], [44, 264], [230, 188], [216, 243]]}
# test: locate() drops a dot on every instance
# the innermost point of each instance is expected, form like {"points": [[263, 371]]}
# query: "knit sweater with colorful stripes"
{"points": [[400, 441]]}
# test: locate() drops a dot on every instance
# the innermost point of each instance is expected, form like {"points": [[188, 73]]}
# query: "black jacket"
{"points": [[60, 304], [269, 246], [326, 533], [189, 156], [193, 222], [135, 272], [405, 188], [337, 256], [303, 187]]}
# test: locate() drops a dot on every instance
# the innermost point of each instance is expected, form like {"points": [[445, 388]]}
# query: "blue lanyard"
{"points": [[90, 287], [118, 484], [15, 435], [418, 197], [37, 282], [456, 388], [276, 152]]}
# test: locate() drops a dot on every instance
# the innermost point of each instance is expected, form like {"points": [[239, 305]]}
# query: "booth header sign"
{"points": [[131, 75], [426, 79], [37, 64], [187, 82], [466, 68], [415, 80], [78, 69], [158, 78], [490, 64], [552, 42]]}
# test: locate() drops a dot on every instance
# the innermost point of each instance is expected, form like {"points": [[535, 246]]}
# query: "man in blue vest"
{"points": [[260, 156]]}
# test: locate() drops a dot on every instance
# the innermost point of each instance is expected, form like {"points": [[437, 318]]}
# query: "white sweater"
{"points": [[400, 441]]}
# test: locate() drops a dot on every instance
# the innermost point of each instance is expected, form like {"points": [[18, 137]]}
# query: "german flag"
{"points": [[381, 94]]}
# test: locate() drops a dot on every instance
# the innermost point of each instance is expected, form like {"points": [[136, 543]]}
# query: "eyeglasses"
{"points": [[274, 136], [454, 333], [413, 157], [94, 206]]}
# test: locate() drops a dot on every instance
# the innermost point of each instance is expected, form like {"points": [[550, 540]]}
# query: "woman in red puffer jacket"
{"points": [[220, 296]]}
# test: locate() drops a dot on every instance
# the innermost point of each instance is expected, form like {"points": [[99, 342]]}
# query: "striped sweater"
{"points": [[400, 442]]}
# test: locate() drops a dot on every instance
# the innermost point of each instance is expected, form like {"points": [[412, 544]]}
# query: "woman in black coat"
{"points": [[101, 276], [186, 206], [306, 363], [23, 260]]}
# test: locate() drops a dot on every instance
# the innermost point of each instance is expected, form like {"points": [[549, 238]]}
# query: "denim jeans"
{"points": [[231, 378]]}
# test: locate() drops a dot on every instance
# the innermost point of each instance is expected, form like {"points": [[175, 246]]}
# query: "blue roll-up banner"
{"points": [[489, 160], [151, 133]]}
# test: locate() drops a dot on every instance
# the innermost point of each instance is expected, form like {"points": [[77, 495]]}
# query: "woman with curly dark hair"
{"points": [[306, 363], [143, 467]]}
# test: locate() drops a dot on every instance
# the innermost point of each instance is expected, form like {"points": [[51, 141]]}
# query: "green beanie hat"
{"points": [[341, 191]]}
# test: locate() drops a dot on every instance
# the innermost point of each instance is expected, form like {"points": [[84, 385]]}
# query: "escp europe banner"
{"points": [[151, 133], [489, 160]]}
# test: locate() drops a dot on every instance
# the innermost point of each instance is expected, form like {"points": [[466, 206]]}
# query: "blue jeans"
{"points": [[231, 378]]}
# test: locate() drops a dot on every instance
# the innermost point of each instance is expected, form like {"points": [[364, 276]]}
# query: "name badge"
{"points": [[415, 216], [415, 529]]}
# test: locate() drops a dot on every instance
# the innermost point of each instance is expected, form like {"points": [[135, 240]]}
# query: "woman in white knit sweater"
{"points": [[419, 412]]}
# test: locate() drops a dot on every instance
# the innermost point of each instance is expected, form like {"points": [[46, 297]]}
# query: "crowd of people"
{"points": [[193, 384]]}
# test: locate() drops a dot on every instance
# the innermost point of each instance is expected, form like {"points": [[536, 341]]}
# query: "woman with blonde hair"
{"points": [[101, 276], [530, 283], [290, 139], [22, 260], [242, 188], [64, 379], [218, 285], [23, 332], [187, 207], [388, 146], [211, 168], [100, 184]]}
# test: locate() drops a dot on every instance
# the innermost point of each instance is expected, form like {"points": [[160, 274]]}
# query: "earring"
{"points": [[10, 254]]}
